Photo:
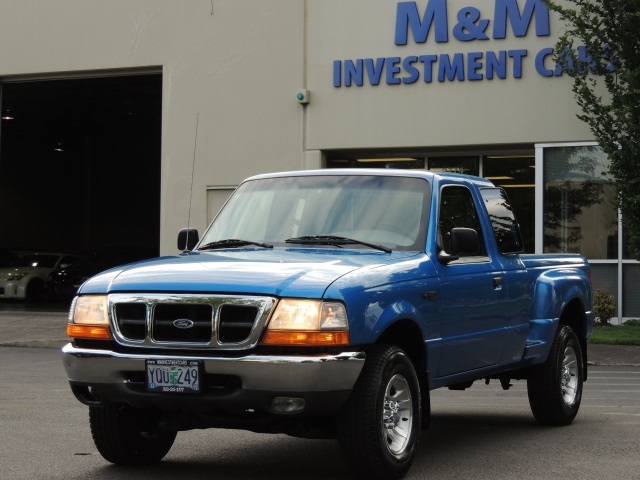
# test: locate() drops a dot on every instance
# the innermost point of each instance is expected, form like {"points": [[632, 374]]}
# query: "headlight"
{"points": [[16, 277], [308, 322], [89, 318]]}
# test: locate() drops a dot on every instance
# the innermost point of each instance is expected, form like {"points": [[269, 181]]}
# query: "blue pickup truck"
{"points": [[328, 304]]}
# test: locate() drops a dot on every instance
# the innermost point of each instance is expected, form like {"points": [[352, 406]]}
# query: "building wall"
{"points": [[233, 66]]}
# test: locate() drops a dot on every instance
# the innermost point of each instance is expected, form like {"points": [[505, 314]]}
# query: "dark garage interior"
{"points": [[80, 165]]}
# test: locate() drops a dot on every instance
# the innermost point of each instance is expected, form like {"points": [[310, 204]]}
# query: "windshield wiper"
{"points": [[232, 243], [334, 240]]}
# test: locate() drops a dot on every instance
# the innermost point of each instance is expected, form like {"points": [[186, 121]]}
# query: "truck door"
{"points": [[473, 289], [508, 242]]}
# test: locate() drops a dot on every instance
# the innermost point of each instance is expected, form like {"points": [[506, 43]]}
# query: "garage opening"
{"points": [[80, 166]]}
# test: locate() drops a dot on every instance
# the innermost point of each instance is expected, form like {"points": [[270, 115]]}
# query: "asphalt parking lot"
{"points": [[494, 428]]}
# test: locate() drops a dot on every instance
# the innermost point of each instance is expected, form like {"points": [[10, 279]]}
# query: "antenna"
{"points": [[193, 168]]}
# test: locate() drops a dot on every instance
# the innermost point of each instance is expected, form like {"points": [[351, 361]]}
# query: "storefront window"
{"points": [[626, 253], [580, 215], [468, 165], [605, 277], [408, 163], [631, 283]]}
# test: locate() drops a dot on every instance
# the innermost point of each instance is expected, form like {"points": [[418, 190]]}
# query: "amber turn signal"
{"points": [[93, 332], [322, 338]]}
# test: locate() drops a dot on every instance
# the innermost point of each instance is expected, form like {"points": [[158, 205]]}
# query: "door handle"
{"points": [[497, 282]]}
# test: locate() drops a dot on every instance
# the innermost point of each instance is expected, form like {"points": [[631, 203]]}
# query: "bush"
{"points": [[604, 306], [632, 323]]}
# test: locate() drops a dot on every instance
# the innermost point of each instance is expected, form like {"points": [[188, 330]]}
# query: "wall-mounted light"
{"points": [[58, 147]]}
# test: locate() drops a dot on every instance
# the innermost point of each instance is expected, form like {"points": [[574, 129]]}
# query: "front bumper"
{"points": [[13, 290], [249, 382]]}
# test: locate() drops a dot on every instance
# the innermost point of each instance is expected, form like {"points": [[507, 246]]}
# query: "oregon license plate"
{"points": [[175, 376]]}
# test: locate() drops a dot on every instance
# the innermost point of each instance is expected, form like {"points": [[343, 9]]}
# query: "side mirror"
{"points": [[465, 242], [187, 239]]}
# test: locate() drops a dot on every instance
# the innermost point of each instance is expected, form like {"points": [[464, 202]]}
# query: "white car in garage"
{"points": [[26, 278]]}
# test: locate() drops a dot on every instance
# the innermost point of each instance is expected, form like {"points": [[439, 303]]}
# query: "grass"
{"points": [[616, 335]]}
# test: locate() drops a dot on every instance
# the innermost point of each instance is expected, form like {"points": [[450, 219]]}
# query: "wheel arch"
{"points": [[406, 334], [575, 316]]}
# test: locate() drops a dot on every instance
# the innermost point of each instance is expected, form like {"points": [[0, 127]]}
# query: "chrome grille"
{"points": [[183, 322], [132, 320], [189, 321], [235, 322]]}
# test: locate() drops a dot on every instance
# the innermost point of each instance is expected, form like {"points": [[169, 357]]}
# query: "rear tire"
{"points": [[379, 428], [128, 436], [555, 387]]}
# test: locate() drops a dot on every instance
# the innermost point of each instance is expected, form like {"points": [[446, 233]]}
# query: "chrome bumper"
{"points": [[286, 373]]}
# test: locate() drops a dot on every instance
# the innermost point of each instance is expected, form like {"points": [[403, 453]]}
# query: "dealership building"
{"points": [[124, 121]]}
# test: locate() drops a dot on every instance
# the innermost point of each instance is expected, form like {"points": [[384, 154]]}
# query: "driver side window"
{"points": [[457, 210]]}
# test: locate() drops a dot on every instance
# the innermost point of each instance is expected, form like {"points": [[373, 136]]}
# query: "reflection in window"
{"points": [[605, 276], [380, 161], [516, 174], [579, 213], [505, 227], [467, 165], [457, 210], [389, 211], [631, 284]]}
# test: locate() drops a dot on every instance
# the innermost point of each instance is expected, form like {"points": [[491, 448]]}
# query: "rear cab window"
{"points": [[503, 222]]}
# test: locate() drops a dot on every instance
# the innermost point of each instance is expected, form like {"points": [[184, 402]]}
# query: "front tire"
{"points": [[379, 428], [555, 387], [128, 436]]}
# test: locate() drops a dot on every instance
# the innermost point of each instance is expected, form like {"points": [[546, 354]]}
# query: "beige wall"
{"points": [[234, 65]]}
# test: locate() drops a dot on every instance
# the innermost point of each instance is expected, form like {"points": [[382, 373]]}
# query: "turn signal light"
{"points": [[322, 338], [93, 332]]}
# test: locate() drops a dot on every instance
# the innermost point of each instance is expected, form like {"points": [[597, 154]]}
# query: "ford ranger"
{"points": [[328, 304]]}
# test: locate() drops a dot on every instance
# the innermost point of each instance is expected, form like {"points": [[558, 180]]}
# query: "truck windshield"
{"points": [[390, 211]]}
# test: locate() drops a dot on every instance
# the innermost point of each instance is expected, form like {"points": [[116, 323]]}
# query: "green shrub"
{"points": [[604, 306], [635, 322]]}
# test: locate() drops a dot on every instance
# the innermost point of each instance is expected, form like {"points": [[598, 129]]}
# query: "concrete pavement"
{"points": [[45, 327]]}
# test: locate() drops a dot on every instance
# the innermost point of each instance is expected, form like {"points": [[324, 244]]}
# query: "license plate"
{"points": [[174, 376]]}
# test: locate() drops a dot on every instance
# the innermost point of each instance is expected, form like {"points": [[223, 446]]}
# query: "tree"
{"points": [[600, 51]]}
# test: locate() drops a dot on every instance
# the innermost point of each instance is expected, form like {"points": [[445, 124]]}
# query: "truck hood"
{"points": [[277, 272]]}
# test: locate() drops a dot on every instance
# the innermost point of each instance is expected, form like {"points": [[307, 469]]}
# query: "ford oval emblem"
{"points": [[183, 323]]}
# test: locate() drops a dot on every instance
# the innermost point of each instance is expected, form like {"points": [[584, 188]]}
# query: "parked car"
{"points": [[66, 279], [27, 277]]}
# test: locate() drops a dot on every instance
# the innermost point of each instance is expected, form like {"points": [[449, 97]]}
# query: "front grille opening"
{"points": [[132, 320], [236, 323], [183, 322]]}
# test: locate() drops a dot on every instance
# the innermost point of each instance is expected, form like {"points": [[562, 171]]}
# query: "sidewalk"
{"points": [[614, 355], [48, 330]]}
